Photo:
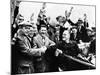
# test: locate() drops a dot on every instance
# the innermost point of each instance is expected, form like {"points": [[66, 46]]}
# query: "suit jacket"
{"points": [[82, 34], [39, 41]]}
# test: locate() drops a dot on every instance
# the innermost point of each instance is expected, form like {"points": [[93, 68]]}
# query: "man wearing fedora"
{"points": [[24, 49]]}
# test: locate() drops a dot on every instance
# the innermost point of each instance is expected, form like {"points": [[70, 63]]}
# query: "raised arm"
{"points": [[67, 15]]}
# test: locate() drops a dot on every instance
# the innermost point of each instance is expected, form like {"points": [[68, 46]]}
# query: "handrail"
{"points": [[80, 61]]}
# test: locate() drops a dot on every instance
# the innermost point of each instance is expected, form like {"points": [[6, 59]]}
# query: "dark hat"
{"points": [[57, 18], [80, 21]]}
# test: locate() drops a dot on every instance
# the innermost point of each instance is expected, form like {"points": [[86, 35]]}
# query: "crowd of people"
{"points": [[40, 47]]}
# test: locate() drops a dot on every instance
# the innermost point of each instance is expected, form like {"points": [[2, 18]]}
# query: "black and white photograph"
{"points": [[51, 37]]}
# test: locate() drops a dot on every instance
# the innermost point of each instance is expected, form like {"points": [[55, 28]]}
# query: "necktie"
{"points": [[32, 43], [43, 39]]}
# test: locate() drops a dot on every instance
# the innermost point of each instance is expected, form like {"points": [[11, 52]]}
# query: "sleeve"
{"points": [[28, 51], [20, 45], [86, 24], [71, 23], [50, 52], [51, 42]]}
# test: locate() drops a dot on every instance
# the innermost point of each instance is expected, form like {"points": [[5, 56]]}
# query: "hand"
{"points": [[71, 9], [66, 13], [85, 17], [32, 17], [58, 51], [80, 41], [43, 49]]}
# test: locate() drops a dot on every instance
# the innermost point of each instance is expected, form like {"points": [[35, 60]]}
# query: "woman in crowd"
{"points": [[55, 57]]}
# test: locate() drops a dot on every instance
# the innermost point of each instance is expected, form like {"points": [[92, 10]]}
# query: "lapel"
{"points": [[27, 42], [40, 40], [46, 41]]}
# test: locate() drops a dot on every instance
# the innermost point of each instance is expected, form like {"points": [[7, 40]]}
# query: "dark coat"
{"points": [[82, 34], [92, 48], [22, 58]]}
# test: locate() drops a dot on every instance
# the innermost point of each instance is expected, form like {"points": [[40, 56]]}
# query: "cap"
{"points": [[80, 21], [25, 23]]}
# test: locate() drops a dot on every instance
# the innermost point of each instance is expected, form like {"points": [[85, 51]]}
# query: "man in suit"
{"points": [[42, 41], [24, 50]]}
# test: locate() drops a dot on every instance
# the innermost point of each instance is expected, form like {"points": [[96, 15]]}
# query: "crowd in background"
{"points": [[40, 47]]}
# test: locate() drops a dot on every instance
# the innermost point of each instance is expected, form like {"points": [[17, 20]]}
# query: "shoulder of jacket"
{"points": [[36, 36]]}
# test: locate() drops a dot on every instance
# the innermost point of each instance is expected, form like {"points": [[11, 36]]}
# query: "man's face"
{"points": [[66, 35], [43, 31], [33, 31], [26, 30], [80, 24], [60, 19], [30, 31]]}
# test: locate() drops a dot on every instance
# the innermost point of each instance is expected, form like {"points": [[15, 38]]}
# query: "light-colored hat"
{"points": [[25, 23]]}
